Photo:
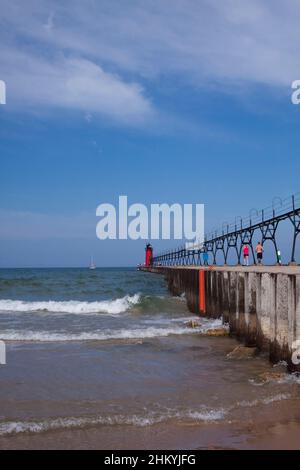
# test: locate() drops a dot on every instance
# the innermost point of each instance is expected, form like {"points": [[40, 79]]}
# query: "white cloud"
{"points": [[72, 83], [77, 54]]}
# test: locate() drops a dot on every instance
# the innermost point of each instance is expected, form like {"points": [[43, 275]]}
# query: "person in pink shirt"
{"points": [[246, 255]]}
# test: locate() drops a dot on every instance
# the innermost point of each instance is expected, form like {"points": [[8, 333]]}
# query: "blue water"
{"points": [[109, 354], [79, 304], [77, 284]]}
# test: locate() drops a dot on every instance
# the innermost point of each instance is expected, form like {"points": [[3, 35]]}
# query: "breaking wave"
{"points": [[265, 401], [203, 415], [17, 427], [72, 306], [138, 333]]}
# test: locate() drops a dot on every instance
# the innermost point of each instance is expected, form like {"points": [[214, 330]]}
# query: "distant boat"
{"points": [[92, 264]]}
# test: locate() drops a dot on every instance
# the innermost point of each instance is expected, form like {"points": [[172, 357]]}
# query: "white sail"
{"points": [[92, 264]]}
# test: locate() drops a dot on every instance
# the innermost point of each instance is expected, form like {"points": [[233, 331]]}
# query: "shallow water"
{"points": [[105, 359]]}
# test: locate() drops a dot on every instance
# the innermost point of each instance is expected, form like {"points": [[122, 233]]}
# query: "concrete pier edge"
{"points": [[261, 304]]}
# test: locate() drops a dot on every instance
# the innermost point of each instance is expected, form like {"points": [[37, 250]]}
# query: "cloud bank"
{"points": [[105, 57]]}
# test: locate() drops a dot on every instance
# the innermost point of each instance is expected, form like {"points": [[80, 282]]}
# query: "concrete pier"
{"points": [[261, 304]]}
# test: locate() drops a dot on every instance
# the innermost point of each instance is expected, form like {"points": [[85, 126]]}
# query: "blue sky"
{"points": [[182, 101]]}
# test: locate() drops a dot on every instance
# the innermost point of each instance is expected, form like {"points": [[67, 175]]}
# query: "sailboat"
{"points": [[92, 264]]}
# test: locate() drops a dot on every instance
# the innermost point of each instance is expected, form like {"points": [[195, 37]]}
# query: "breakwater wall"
{"points": [[260, 304]]}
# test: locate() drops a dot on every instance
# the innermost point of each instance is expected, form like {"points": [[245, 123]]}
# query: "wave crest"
{"points": [[71, 306], [138, 333], [18, 427]]}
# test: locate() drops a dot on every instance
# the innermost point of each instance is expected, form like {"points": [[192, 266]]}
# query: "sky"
{"points": [[163, 101]]}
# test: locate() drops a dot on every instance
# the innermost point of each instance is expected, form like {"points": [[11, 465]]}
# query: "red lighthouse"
{"points": [[148, 255]]}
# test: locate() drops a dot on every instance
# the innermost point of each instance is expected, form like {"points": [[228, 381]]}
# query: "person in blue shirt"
{"points": [[205, 258]]}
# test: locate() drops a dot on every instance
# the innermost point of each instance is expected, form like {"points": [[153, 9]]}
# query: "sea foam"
{"points": [[138, 333], [104, 335], [152, 418], [72, 306]]}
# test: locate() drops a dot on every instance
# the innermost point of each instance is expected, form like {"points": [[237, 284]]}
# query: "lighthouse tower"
{"points": [[148, 255]]}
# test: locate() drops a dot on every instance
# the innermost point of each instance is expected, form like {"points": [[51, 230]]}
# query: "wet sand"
{"points": [[258, 413], [283, 436]]}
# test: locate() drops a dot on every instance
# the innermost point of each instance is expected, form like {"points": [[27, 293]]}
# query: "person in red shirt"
{"points": [[246, 255]]}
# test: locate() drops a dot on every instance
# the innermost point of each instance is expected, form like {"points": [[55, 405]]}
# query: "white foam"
{"points": [[210, 415], [208, 323], [289, 378], [264, 401], [72, 306], [280, 364], [165, 321], [104, 335], [279, 397], [110, 334], [286, 378], [138, 333], [18, 427]]}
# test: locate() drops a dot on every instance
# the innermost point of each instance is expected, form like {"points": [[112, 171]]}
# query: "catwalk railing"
{"points": [[240, 233]]}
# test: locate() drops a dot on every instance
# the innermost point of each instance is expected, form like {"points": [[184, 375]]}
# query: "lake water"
{"points": [[106, 359]]}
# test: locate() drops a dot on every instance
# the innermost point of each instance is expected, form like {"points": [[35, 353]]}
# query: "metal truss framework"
{"points": [[265, 223]]}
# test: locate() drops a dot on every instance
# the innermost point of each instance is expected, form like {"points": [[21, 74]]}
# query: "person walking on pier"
{"points": [[205, 258], [246, 255], [279, 259], [259, 252]]}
